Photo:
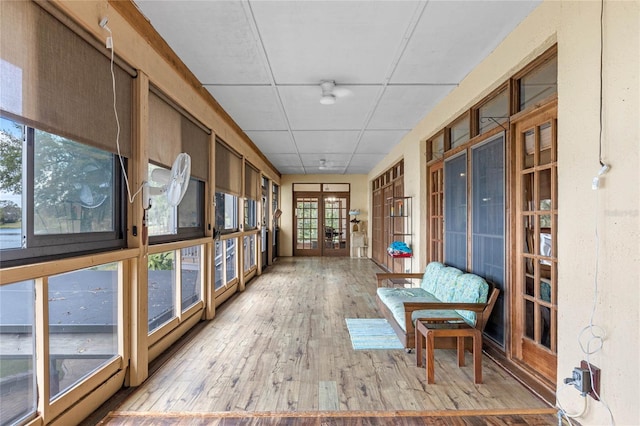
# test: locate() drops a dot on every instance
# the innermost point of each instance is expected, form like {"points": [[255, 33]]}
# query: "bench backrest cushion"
{"points": [[470, 288], [431, 275], [445, 288]]}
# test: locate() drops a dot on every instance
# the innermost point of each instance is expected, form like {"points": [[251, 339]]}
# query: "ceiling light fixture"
{"points": [[330, 92], [328, 99]]}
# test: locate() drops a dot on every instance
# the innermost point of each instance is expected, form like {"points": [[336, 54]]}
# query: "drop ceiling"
{"points": [[263, 61]]}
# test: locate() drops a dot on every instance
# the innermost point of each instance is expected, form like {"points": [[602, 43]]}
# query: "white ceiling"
{"points": [[263, 61]]}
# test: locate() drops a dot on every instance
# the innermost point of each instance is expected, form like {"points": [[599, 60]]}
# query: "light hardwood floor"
{"points": [[283, 346]]}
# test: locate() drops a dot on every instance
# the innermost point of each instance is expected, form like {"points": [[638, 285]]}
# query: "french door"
{"points": [[535, 308], [321, 224]]}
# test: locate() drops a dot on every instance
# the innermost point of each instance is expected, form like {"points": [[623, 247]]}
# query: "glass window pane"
{"points": [[455, 211], [161, 288], [190, 208], [231, 259], [219, 265], [437, 147], [460, 132], [539, 84], [544, 189], [494, 113], [83, 324], [17, 351], [250, 214], [73, 186], [190, 276], [11, 137], [545, 323], [161, 217]]}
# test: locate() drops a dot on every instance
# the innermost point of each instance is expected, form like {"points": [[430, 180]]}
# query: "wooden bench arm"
{"points": [[381, 276]]}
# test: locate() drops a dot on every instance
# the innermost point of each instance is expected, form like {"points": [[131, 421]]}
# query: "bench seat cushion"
{"points": [[394, 299]]}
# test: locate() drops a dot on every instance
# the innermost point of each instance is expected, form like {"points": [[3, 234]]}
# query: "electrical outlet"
{"points": [[581, 380], [594, 390]]}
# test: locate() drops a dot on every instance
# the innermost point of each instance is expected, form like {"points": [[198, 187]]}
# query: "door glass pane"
{"points": [[83, 324], [529, 319], [455, 212], [539, 84], [545, 326], [528, 236], [545, 143], [488, 224], [162, 288], [190, 276], [307, 223], [73, 186], [529, 283], [544, 189], [527, 192], [528, 148], [17, 348], [335, 222]]}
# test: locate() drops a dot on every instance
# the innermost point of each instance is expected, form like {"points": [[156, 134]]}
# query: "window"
{"points": [[161, 288], [72, 192], [17, 339], [226, 213], [494, 113], [226, 262], [435, 147], [190, 276], [460, 132], [167, 223], [169, 281], [83, 324], [250, 214], [538, 84], [249, 246]]}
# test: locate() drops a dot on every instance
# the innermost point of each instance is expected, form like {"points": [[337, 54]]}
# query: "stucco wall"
{"points": [[575, 26], [359, 199]]}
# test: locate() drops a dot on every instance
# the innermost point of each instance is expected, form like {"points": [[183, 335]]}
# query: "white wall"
{"points": [[575, 26]]}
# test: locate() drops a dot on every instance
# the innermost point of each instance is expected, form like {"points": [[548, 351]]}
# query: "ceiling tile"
{"points": [[285, 160], [291, 170], [252, 107], [272, 142], [206, 34], [330, 141], [379, 141], [365, 160], [402, 107], [452, 37], [305, 112], [348, 41]]}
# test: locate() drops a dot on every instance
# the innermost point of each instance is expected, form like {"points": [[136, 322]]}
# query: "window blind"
{"points": [[251, 182], [228, 170], [54, 80]]}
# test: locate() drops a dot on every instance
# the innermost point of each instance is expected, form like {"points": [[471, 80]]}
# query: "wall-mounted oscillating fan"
{"points": [[173, 182]]}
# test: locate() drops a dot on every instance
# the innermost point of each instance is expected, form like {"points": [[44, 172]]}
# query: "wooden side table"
{"points": [[460, 332]]}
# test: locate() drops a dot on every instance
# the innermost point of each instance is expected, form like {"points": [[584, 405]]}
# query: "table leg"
{"points": [[429, 356], [477, 357], [419, 346], [460, 340]]}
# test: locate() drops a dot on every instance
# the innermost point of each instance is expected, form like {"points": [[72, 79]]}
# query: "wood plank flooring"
{"points": [[282, 347]]}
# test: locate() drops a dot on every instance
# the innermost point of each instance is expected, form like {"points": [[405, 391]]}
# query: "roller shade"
{"points": [[171, 132], [251, 182], [54, 80], [228, 170]]}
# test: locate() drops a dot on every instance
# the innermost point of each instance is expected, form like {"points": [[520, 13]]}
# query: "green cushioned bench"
{"points": [[444, 292]]}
